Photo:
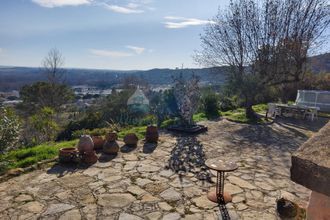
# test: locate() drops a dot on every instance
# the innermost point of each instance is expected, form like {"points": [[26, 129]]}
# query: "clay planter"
{"points": [[89, 157], [112, 136], [98, 142], [69, 154], [152, 134], [85, 144], [131, 139], [110, 147], [286, 208]]}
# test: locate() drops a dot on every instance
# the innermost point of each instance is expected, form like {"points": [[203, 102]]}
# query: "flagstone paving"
{"points": [[136, 185]]}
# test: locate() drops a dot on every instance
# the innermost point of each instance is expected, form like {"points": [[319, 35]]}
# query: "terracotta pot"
{"points": [[69, 154], [131, 139], [286, 208], [89, 157], [85, 144], [111, 136], [98, 142], [110, 147], [152, 134]]}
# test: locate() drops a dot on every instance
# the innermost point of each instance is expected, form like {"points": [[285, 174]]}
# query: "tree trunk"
{"points": [[249, 112]]}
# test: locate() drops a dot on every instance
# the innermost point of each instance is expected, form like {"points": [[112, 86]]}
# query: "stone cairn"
{"points": [[188, 156]]}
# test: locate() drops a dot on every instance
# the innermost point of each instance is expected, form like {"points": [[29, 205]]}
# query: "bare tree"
{"points": [[265, 43], [53, 66]]}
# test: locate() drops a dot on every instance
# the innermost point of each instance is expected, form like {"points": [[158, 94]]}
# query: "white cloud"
{"points": [[125, 6], [181, 22], [129, 9], [110, 53], [137, 50], [133, 5], [60, 3]]}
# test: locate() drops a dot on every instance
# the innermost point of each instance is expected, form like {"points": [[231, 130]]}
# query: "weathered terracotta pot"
{"points": [[85, 144], [111, 136], [98, 142], [131, 139], [286, 208], [89, 157], [152, 135], [110, 147], [69, 154]]}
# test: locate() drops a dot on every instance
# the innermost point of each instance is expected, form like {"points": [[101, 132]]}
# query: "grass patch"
{"points": [[324, 114], [169, 122], [260, 108], [28, 156], [199, 117], [238, 115], [139, 131]]}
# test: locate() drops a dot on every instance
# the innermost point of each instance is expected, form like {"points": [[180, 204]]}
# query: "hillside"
{"points": [[15, 77]]}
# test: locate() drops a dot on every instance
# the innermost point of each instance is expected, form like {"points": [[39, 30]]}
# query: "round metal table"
{"points": [[221, 166]]}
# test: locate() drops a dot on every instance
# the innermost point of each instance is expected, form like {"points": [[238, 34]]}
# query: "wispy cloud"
{"points": [[124, 7], [174, 22], [124, 10], [137, 50], [61, 3], [110, 53]]}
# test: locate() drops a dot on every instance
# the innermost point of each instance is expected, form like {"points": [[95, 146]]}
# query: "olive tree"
{"points": [[265, 43]]}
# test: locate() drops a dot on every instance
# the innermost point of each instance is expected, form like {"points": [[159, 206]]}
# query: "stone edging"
{"points": [[19, 171]]}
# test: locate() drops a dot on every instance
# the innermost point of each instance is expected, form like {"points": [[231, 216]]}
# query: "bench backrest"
{"points": [[314, 98]]}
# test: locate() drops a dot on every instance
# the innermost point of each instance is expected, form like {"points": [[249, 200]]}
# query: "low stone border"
{"points": [[19, 171]]}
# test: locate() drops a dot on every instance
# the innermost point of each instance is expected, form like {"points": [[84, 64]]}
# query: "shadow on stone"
{"points": [[127, 148], [107, 157], [148, 148], [188, 156], [190, 130], [62, 169]]}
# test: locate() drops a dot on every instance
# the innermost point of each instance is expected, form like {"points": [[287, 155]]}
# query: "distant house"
{"points": [[82, 104], [138, 102]]}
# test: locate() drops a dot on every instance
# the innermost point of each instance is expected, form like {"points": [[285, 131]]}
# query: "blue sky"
{"points": [[104, 34]]}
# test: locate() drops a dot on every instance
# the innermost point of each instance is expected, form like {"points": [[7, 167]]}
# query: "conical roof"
{"points": [[138, 98]]}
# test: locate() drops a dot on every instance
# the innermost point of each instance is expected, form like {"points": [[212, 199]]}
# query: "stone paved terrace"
{"points": [[136, 185]]}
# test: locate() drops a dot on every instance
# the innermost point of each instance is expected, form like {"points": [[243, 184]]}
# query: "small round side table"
{"points": [[221, 166]]}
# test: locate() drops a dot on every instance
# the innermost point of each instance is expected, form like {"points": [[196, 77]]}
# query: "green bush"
{"points": [[43, 125], [211, 105], [91, 120], [9, 128], [228, 103]]}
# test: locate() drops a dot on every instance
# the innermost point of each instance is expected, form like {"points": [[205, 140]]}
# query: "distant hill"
{"points": [[320, 63], [13, 78]]}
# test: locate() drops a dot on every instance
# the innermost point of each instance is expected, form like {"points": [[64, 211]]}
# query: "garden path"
{"points": [[137, 185]]}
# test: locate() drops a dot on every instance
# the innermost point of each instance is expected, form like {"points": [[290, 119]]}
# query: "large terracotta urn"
{"points": [[68, 154], [85, 144], [98, 142], [152, 134], [111, 136], [89, 157], [110, 147], [131, 139]]}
